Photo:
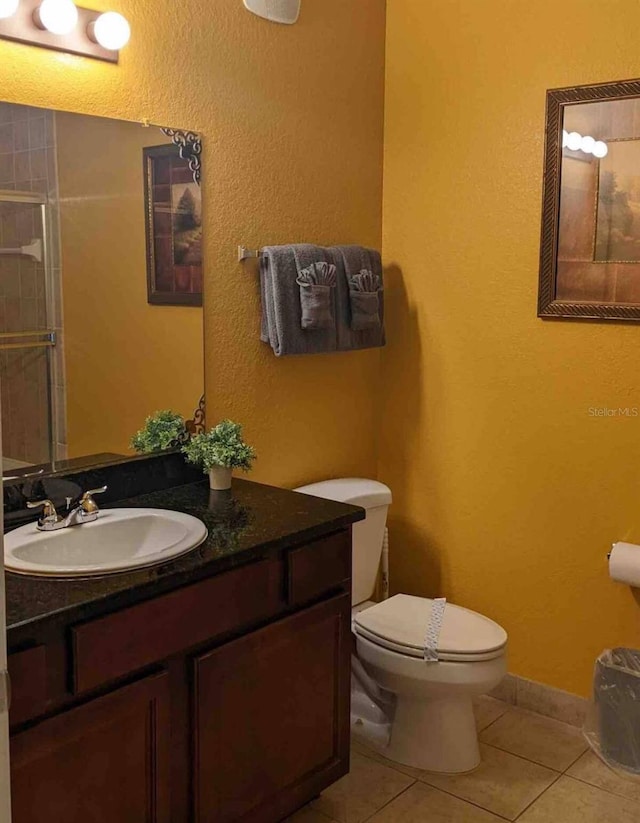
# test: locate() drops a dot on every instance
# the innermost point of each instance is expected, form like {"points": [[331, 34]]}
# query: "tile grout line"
{"points": [[588, 749], [528, 759], [469, 802], [602, 789], [541, 795], [489, 725], [392, 799], [424, 782], [558, 775]]}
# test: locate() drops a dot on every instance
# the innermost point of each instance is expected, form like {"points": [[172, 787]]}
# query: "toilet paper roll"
{"points": [[624, 563]]}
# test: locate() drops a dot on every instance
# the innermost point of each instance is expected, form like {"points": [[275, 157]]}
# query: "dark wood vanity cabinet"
{"points": [[225, 700], [104, 761], [271, 716]]}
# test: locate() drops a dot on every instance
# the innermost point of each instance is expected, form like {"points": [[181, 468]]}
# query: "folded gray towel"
{"points": [[316, 301], [281, 324], [365, 303], [351, 262]]}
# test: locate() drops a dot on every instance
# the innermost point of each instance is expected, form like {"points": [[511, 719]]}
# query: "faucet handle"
{"points": [[87, 502], [49, 513], [49, 508]]}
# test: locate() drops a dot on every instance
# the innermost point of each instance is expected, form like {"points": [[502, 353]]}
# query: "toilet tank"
{"points": [[368, 534]]}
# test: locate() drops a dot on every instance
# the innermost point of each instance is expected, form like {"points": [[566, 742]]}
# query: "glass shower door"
{"points": [[26, 333]]}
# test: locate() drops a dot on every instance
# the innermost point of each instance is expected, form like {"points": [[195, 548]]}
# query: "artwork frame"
{"points": [[173, 248], [576, 280]]}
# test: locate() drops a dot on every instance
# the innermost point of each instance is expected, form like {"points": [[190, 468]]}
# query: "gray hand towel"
{"points": [[364, 291], [281, 324], [316, 300], [351, 261]]}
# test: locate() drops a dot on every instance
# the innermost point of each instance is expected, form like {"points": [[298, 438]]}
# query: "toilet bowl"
{"points": [[433, 725]]}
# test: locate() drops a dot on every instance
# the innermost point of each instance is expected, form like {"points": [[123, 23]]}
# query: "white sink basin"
{"points": [[119, 540]]}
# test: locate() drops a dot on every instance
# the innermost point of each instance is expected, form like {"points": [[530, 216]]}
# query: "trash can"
{"points": [[616, 693]]}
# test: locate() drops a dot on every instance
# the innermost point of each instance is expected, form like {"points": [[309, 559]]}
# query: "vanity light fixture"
{"points": [[56, 16], [63, 26], [574, 141], [111, 30], [8, 8]]}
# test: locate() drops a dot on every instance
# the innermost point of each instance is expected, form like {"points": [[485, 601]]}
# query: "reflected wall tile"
{"points": [[22, 165], [38, 163], [37, 133], [28, 274], [7, 173], [6, 112], [21, 135], [12, 313], [39, 185], [6, 138]]}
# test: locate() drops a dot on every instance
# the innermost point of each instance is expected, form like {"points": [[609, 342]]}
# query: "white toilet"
{"points": [[433, 726]]}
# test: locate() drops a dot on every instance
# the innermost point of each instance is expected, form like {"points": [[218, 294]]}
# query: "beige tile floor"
{"points": [[534, 770]]}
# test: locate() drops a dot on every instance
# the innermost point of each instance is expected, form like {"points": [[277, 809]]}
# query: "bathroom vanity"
{"points": [[214, 688]]}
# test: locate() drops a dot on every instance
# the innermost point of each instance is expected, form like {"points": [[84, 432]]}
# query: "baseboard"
{"points": [[542, 699]]}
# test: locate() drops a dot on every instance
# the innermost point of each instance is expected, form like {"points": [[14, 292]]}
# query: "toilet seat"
{"points": [[400, 624]]}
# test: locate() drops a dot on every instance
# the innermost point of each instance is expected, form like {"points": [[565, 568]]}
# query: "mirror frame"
{"points": [[557, 100]]}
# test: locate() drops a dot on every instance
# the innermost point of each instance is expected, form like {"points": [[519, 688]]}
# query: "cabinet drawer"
{"points": [[319, 567], [28, 676], [121, 643]]}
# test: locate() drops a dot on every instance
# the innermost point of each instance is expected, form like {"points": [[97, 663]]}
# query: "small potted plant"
{"points": [[162, 430], [218, 452]]}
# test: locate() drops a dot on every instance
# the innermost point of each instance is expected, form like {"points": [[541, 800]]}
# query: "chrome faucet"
{"points": [[85, 512]]}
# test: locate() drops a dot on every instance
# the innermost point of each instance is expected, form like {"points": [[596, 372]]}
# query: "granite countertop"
{"points": [[244, 524]]}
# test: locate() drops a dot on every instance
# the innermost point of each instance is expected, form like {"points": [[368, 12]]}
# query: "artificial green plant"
{"points": [[221, 446], [162, 430]]}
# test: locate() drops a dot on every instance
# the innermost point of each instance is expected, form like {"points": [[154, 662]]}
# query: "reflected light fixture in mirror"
{"points": [[63, 26], [589, 145]]}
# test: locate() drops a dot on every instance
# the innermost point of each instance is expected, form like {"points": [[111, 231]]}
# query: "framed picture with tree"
{"points": [[173, 208]]}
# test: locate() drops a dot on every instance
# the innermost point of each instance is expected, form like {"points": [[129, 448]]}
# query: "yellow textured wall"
{"points": [[292, 122], [507, 493], [121, 353]]}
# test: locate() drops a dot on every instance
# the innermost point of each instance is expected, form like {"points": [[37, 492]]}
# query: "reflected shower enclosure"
{"points": [[27, 333]]}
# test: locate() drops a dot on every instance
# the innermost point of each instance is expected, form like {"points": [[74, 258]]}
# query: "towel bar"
{"points": [[247, 254]]}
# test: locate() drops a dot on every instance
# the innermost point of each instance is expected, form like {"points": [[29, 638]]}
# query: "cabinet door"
{"points": [[272, 716], [102, 762]]}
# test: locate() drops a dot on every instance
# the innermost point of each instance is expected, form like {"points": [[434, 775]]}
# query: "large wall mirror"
{"points": [[590, 251], [101, 320]]}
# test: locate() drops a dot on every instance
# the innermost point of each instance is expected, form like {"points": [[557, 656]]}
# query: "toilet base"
{"points": [[437, 735]]}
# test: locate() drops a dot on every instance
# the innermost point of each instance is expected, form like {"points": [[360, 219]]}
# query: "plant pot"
{"points": [[219, 478]]}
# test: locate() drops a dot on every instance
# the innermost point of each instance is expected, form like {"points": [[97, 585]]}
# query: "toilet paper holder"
{"points": [[624, 563]]}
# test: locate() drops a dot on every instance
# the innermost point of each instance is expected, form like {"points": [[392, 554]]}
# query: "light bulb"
{"points": [[111, 30], [565, 137], [574, 141], [8, 8], [600, 149], [58, 16], [587, 144]]}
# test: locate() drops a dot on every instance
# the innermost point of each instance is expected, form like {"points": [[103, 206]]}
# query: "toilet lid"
{"points": [[400, 623]]}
